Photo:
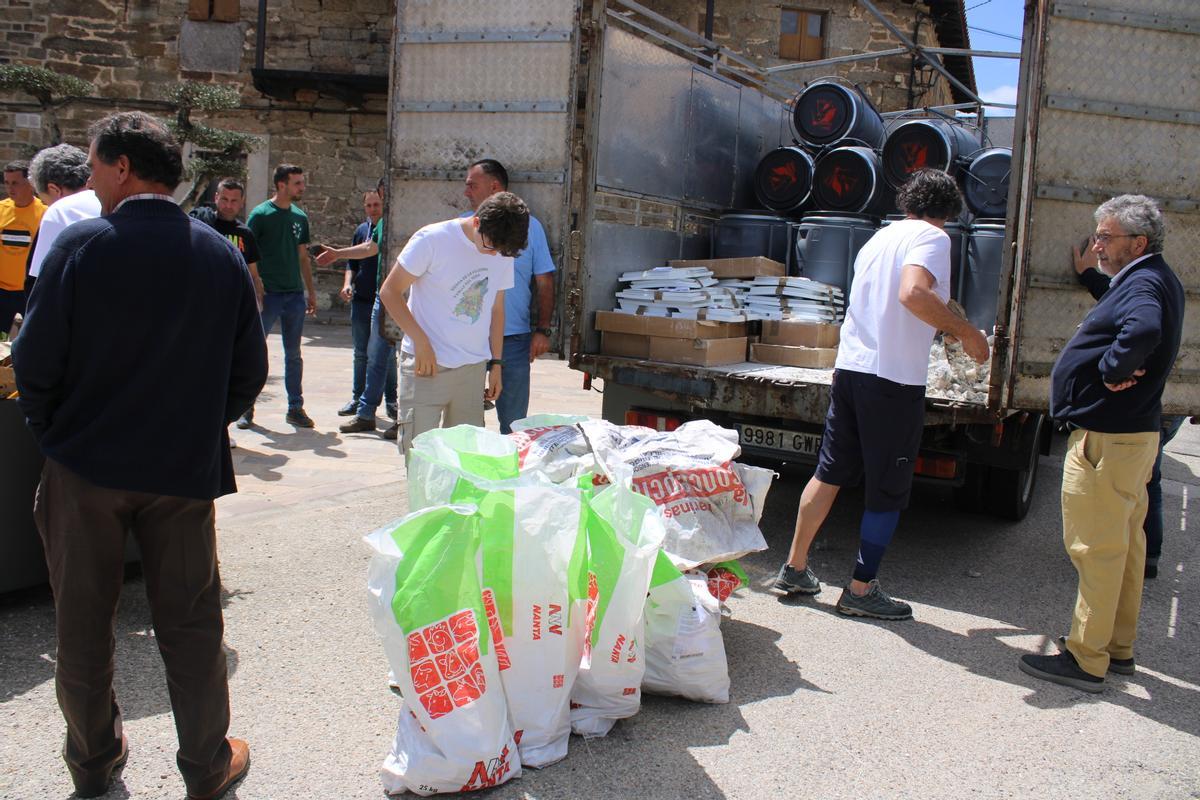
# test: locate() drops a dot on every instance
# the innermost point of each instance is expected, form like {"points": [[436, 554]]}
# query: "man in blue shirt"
{"points": [[359, 291], [533, 269]]}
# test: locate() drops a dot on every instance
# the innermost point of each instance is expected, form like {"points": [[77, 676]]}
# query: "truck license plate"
{"points": [[805, 444]]}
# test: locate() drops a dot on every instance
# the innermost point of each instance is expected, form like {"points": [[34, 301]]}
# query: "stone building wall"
{"points": [[133, 50], [751, 29]]}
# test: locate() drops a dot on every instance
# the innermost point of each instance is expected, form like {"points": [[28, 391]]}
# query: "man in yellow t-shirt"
{"points": [[20, 215]]}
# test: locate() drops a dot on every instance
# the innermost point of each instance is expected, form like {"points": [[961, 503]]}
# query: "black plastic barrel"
{"points": [[740, 234], [985, 182], [981, 276], [927, 144], [826, 245], [849, 179], [783, 179], [827, 112], [957, 233]]}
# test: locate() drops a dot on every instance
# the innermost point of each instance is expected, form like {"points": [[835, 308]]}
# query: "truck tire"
{"points": [[1010, 491]]}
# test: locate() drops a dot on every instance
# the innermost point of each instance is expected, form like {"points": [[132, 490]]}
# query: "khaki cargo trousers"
{"points": [[451, 397], [1103, 507]]}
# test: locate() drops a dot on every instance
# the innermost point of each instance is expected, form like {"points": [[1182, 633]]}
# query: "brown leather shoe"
{"points": [[239, 765], [96, 786]]}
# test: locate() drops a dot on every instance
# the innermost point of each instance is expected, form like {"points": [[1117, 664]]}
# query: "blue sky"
{"points": [[996, 25]]}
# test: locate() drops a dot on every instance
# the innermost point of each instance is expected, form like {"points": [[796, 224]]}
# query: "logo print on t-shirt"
{"points": [[470, 303]]}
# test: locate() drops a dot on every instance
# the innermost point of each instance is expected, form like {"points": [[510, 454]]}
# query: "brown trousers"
{"points": [[83, 528]]}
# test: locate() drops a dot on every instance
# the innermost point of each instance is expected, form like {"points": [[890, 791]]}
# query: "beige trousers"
{"points": [[451, 397], [1103, 508]]}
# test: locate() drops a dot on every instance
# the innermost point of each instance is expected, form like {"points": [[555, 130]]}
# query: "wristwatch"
{"points": [[543, 331], [495, 362]]}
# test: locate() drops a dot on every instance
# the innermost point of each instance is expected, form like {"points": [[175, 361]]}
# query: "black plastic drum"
{"points": [[827, 112], [985, 182], [745, 234], [826, 245], [981, 278], [850, 180], [926, 144], [783, 180]]}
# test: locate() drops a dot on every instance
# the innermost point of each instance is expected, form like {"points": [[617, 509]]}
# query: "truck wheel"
{"points": [[1010, 491]]}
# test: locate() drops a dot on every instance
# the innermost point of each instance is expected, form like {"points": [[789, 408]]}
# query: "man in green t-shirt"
{"points": [[281, 228]]}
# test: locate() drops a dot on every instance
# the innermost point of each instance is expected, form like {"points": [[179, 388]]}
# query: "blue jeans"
{"points": [[381, 369], [360, 328], [1154, 508], [288, 308], [513, 402]]}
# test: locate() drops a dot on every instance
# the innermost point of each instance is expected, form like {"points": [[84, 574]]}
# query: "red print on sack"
{"points": [[493, 618], [446, 676], [722, 583], [558, 681], [488, 775], [589, 616]]}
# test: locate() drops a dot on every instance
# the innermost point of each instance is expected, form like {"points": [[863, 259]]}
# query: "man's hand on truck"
{"points": [[1084, 257], [918, 296]]}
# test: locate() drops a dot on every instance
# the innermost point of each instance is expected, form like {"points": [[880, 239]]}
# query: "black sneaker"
{"points": [[392, 411], [1119, 666], [1061, 669], [246, 421], [297, 417], [874, 604], [348, 410], [357, 425], [392, 432], [796, 581]]}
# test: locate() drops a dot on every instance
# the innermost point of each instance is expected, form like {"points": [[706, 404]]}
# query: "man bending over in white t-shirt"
{"points": [[455, 273], [877, 400]]}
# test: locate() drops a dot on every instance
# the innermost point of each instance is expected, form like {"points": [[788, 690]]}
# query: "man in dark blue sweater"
{"points": [[126, 305], [1107, 386]]}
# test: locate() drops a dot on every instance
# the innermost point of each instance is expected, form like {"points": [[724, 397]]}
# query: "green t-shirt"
{"points": [[377, 235], [280, 233]]}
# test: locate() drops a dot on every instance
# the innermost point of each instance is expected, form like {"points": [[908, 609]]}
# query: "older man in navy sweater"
{"points": [[139, 302], [1107, 387]]}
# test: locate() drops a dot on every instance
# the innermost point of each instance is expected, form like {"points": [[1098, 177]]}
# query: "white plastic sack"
{"points": [[685, 654], [624, 536], [453, 732], [440, 458], [552, 445], [710, 506], [534, 562]]}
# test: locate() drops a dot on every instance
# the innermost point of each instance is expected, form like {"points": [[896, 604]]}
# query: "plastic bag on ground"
{"points": [[685, 654], [554, 445], [710, 506], [442, 457], [534, 570], [453, 732], [624, 536]]}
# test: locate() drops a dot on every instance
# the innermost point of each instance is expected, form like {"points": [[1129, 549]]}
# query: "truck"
{"points": [[629, 134]]}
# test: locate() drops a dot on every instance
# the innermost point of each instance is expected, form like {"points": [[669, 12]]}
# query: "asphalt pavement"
{"points": [[821, 706]]}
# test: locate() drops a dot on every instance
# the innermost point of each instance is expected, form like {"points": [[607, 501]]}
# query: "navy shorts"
{"points": [[873, 430]]}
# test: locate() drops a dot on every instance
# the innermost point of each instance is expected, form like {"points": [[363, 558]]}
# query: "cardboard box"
{"points": [[226, 11], [694, 352], [669, 327], [749, 267], [800, 334], [812, 357]]}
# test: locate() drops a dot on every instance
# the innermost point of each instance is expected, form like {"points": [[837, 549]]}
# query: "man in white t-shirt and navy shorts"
{"points": [[455, 273], [877, 399]]}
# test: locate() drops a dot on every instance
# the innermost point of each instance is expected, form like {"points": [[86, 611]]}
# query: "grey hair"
{"points": [[62, 164], [1137, 215]]}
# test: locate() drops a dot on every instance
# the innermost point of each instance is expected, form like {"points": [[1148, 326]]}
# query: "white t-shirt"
{"points": [[61, 213], [880, 336], [454, 293]]}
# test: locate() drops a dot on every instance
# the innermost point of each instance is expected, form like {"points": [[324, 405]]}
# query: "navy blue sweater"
{"points": [[141, 343], [1137, 324]]}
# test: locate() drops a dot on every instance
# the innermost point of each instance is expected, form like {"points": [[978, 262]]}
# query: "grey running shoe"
{"points": [[1120, 666], [796, 581], [874, 604]]}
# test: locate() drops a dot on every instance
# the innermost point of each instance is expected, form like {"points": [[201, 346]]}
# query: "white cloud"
{"points": [[1000, 94]]}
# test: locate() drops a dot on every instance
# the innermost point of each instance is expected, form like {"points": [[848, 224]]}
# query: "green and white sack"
{"points": [[624, 535], [685, 654], [441, 458], [453, 732]]}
